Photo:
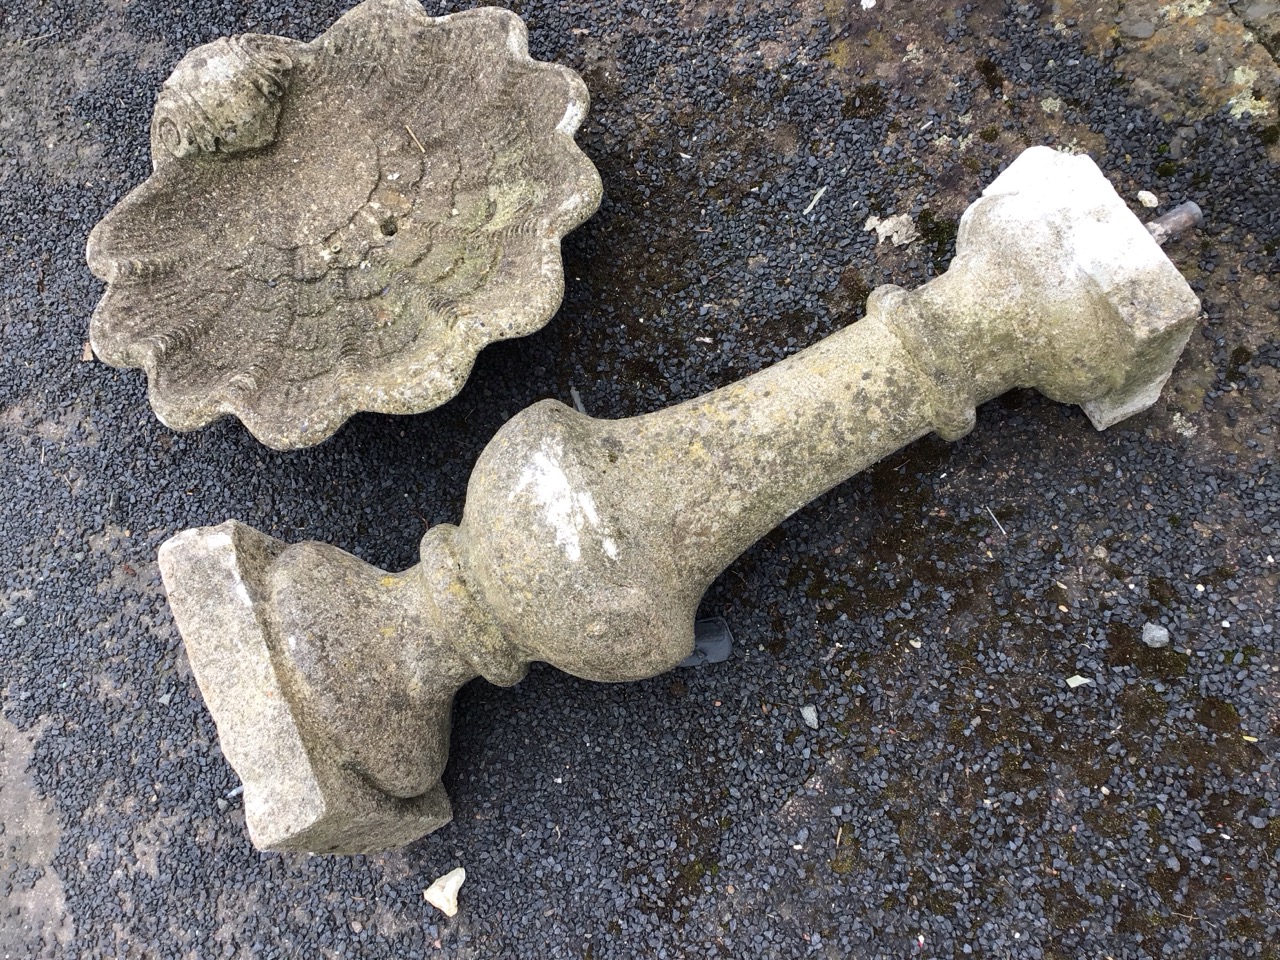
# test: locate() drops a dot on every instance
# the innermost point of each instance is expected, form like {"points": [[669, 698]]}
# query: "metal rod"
{"points": [[1177, 221]]}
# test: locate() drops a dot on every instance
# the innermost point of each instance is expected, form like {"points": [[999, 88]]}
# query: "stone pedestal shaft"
{"points": [[587, 543]]}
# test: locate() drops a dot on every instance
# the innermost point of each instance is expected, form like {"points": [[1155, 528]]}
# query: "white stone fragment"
{"points": [[443, 894], [1148, 199], [809, 713], [900, 229], [1077, 681]]}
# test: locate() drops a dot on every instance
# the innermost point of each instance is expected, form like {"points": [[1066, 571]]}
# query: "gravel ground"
{"points": [[957, 798]]}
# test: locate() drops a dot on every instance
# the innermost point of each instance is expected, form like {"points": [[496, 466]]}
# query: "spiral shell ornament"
{"points": [[223, 97], [342, 225]]}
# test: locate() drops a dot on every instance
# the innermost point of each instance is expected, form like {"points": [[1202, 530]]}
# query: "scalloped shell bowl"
{"points": [[342, 225]]}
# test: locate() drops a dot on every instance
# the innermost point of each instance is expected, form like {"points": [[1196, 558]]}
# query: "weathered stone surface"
{"points": [[1187, 58], [1263, 18], [342, 225], [588, 543], [1137, 29]]}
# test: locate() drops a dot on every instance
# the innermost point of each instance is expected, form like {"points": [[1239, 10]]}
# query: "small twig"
{"points": [[421, 148], [839, 834], [426, 524], [30, 40], [998, 524], [1193, 918]]}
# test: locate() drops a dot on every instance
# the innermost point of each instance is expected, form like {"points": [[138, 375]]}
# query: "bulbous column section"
{"points": [[587, 543]]}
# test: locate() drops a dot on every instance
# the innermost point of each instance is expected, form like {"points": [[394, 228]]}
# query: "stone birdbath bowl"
{"points": [[342, 225]]}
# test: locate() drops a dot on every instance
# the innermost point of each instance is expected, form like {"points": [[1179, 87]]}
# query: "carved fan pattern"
{"points": [[404, 210]]}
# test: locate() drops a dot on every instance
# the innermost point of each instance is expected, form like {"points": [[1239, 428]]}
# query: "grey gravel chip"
{"points": [[1155, 636]]}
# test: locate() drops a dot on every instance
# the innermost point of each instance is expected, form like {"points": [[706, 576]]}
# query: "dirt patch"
{"points": [[34, 915]]}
